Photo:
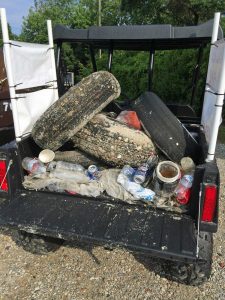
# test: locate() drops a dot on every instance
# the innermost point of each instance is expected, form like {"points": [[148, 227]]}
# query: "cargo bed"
{"points": [[140, 229]]}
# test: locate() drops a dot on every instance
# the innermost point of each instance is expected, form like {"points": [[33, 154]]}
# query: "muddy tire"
{"points": [[197, 273], [113, 142], [74, 109], [36, 244]]}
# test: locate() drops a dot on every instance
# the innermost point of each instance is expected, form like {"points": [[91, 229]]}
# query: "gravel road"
{"points": [[77, 272]]}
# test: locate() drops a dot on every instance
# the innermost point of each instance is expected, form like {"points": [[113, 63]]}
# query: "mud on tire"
{"points": [[36, 244], [197, 273]]}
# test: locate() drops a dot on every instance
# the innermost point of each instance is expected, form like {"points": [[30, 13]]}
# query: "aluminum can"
{"points": [[93, 172]]}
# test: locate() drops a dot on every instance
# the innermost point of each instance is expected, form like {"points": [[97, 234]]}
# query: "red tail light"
{"points": [[3, 173], [209, 204]]}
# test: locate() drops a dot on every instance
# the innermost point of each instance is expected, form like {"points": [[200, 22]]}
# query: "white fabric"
{"points": [[215, 65], [31, 65], [212, 86], [208, 114], [30, 108]]}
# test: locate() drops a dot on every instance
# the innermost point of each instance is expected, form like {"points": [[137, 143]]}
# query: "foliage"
{"points": [[12, 36], [173, 70]]}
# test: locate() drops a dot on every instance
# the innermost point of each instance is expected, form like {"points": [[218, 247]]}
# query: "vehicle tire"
{"points": [[196, 273], [36, 244], [63, 119]]}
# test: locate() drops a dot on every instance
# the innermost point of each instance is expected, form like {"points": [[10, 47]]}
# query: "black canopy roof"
{"points": [[138, 37]]}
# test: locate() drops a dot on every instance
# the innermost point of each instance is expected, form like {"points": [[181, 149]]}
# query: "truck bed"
{"points": [[168, 235], [139, 229]]}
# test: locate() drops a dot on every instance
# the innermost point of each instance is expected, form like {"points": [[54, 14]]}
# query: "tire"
{"points": [[113, 142], [36, 244], [63, 119], [197, 273], [167, 132]]}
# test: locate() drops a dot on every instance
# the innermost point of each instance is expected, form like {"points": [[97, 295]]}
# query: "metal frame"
{"points": [[6, 47], [220, 95], [150, 69], [196, 73]]}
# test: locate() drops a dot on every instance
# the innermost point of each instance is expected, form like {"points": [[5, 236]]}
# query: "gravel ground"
{"points": [[77, 272]]}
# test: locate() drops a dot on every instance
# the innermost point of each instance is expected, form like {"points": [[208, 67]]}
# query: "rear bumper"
{"points": [[158, 233]]}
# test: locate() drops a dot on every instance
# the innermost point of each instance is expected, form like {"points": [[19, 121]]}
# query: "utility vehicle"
{"points": [[43, 219]]}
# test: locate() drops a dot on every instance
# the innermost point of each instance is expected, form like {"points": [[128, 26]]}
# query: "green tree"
{"points": [[12, 36]]}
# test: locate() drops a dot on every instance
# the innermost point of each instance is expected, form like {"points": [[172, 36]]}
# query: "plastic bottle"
{"points": [[141, 173], [134, 188], [33, 165], [65, 166], [183, 190], [187, 165], [128, 172], [76, 176], [146, 170]]}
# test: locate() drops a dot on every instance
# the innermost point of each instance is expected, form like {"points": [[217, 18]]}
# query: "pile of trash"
{"points": [[111, 154], [162, 184]]}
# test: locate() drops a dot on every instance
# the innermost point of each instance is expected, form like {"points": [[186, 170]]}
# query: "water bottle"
{"points": [[183, 190], [141, 173], [65, 166], [76, 176], [139, 192], [146, 170], [33, 165], [128, 172]]}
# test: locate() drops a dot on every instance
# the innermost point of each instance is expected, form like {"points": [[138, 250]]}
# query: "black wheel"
{"points": [[197, 273], [36, 244]]}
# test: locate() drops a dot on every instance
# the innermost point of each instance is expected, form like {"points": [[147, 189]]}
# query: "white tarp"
{"points": [[31, 65], [208, 114], [217, 53], [215, 65], [30, 108]]}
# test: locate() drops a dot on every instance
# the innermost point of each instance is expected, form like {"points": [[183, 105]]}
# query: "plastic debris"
{"points": [[130, 118], [113, 188], [134, 188], [33, 165], [183, 190], [75, 176], [187, 165], [63, 165]]}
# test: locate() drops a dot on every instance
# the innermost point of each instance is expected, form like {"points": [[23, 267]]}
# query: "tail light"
{"points": [[3, 176], [209, 204]]}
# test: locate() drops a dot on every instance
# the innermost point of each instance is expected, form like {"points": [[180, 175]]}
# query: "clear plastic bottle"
{"points": [[145, 171], [76, 176], [33, 165], [141, 173], [139, 192], [65, 166], [183, 190]]}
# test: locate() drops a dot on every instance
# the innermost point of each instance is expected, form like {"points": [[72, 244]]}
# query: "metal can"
{"points": [[93, 172], [141, 173]]}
